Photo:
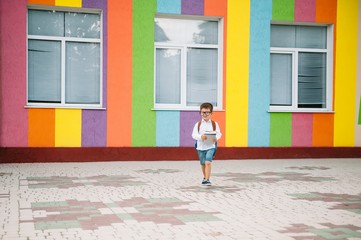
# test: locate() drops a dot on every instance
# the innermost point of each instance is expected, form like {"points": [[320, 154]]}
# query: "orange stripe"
{"points": [[119, 102], [42, 2], [220, 118], [323, 124], [322, 129], [41, 131], [326, 11], [215, 8], [219, 8]]}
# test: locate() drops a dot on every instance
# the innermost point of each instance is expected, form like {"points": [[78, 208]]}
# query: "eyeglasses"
{"points": [[206, 113]]}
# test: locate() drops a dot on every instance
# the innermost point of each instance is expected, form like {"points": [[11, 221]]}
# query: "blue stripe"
{"points": [[169, 6], [259, 73], [168, 130]]}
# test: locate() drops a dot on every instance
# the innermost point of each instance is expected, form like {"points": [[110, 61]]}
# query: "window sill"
{"points": [[300, 111], [64, 107], [184, 109]]}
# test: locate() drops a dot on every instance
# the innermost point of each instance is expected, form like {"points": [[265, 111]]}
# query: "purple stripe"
{"points": [[102, 4], [193, 7], [188, 120], [94, 122], [94, 128], [99, 4]]}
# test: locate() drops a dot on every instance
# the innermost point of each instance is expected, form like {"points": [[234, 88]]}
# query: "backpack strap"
{"points": [[213, 125]]}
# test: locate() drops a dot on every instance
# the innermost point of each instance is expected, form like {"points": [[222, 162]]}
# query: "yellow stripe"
{"points": [[68, 3], [345, 79], [68, 128], [238, 34]]}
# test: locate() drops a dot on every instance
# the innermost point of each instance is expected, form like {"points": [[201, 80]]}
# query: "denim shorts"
{"points": [[205, 155]]}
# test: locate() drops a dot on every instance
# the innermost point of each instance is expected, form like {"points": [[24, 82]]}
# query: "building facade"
{"points": [[126, 74]]}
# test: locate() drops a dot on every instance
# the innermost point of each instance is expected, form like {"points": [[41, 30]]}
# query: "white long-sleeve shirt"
{"points": [[205, 126]]}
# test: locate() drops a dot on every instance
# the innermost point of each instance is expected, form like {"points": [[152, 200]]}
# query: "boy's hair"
{"points": [[206, 105]]}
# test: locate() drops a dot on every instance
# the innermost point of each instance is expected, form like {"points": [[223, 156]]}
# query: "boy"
{"points": [[205, 148]]}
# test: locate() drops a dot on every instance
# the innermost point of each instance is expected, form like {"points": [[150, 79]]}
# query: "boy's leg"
{"points": [[207, 169], [208, 163], [202, 158]]}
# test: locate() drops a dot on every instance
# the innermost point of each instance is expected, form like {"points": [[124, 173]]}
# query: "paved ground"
{"points": [[258, 199]]}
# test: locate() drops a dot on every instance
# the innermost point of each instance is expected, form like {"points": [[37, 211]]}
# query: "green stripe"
{"points": [[281, 129], [143, 118], [283, 10]]}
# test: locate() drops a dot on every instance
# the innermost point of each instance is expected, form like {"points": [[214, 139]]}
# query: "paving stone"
{"points": [[250, 199]]}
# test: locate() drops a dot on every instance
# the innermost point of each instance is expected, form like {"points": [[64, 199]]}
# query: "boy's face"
{"points": [[206, 113]]}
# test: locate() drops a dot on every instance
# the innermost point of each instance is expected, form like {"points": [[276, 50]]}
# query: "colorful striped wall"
{"points": [[303, 129], [358, 84], [127, 117]]}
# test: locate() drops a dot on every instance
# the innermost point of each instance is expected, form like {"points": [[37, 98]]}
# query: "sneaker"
{"points": [[204, 181], [207, 183]]}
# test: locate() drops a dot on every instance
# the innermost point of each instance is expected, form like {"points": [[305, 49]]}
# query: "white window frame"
{"points": [[63, 41], [183, 48], [329, 71]]}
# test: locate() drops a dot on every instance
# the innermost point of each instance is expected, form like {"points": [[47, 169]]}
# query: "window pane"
{"points": [[186, 31], [82, 25], [298, 36], [281, 79], [82, 82], [283, 36], [311, 37], [312, 80], [44, 71], [168, 76], [46, 23], [201, 76]]}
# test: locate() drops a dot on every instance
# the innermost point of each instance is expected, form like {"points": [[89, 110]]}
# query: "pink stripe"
{"points": [[305, 10], [302, 129], [13, 115]]}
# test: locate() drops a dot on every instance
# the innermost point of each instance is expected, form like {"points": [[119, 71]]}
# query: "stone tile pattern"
{"points": [[272, 177], [2, 174], [310, 168], [158, 171], [251, 200], [4, 195], [347, 202], [4, 192], [93, 215], [211, 189], [70, 182], [328, 231]]}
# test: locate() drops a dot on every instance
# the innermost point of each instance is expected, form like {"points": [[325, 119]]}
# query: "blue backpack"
{"points": [[214, 129]]}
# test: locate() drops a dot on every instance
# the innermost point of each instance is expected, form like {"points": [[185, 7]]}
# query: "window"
{"points": [[64, 59], [188, 63], [301, 68]]}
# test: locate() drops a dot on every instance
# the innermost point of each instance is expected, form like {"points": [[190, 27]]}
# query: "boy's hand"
{"points": [[204, 137], [214, 139]]}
